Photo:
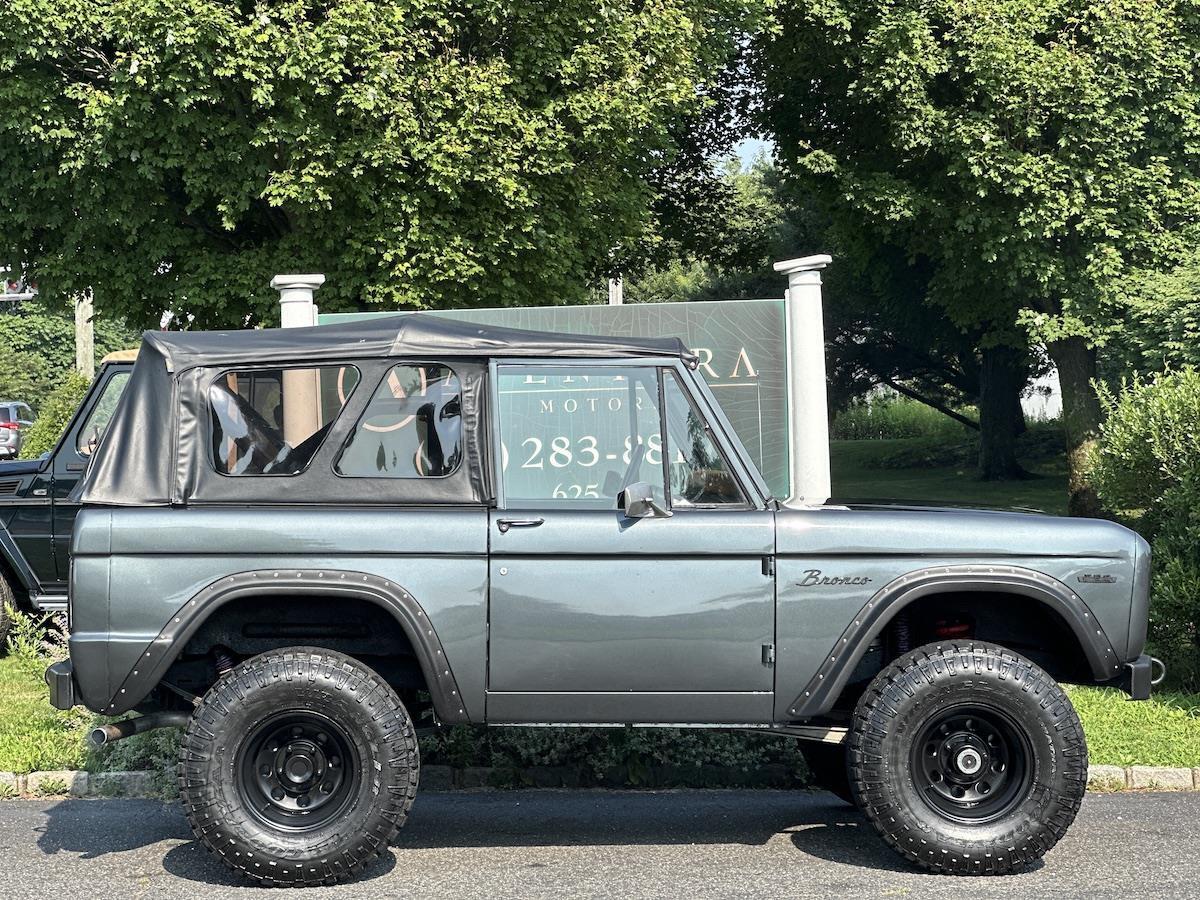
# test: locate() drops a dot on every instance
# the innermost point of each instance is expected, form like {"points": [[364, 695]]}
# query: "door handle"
{"points": [[505, 524]]}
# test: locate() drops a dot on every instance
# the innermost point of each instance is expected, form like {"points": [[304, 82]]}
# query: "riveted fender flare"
{"points": [[826, 685], [157, 658]]}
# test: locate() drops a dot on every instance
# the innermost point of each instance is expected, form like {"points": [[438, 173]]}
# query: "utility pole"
{"points": [[616, 291], [85, 354]]}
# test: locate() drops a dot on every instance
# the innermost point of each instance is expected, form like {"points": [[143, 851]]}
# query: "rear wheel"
{"points": [[967, 759], [299, 767]]}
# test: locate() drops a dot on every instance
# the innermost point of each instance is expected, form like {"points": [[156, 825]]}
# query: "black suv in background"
{"points": [[15, 417], [36, 514]]}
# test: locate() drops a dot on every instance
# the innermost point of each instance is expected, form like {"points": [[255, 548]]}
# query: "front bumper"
{"points": [[1139, 677], [60, 678]]}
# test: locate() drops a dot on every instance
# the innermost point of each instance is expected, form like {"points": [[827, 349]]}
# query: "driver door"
{"points": [[596, 617]]}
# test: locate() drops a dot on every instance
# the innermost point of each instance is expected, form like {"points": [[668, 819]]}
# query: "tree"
{"points": [[1030, 152], [175, 155]]}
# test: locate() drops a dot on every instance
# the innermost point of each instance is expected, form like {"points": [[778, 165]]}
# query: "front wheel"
{"points": [[298, 767], [968, 759]]}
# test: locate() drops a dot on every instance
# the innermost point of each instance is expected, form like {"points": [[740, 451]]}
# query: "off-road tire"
{"points": [[6, 600], [829, 766], [933, 684], [366, 714]]}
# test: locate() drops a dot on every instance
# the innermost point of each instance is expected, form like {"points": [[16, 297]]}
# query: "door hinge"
{"points": [[768, 654], [768, 565]]}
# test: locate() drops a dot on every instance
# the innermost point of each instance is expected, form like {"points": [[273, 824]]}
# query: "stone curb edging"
{"points": [[77, 783]]}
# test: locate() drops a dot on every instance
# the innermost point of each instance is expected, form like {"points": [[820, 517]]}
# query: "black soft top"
{"points": [[156, 449], [410, 334]]}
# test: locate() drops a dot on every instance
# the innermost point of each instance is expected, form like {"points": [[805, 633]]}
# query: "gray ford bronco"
{"points": [[304, 546]]}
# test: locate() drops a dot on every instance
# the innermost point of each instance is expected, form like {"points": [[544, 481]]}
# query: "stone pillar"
{"points": [[808, 401], [301, 388]]}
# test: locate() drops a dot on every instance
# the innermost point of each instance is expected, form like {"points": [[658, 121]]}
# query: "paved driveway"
{"points": [[688, 844]]}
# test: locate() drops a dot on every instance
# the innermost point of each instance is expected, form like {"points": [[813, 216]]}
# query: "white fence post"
{"points": [[808, 400]]}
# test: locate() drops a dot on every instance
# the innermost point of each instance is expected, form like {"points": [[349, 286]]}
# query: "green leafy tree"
{"points": [[175, 155], [1030, 153]]}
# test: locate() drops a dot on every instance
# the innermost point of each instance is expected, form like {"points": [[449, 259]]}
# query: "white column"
{"points": [[808, 402], [301, 392], [85, 353], [296, 309]]}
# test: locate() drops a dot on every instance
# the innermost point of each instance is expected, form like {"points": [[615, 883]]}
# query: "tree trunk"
{"points": [[1076, 363], [1001, 379]]}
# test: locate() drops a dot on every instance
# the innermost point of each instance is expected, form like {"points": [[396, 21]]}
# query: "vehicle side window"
{"points": [[412, 428], [273, 421], [699, 474], [93, 427], [577, 435]]}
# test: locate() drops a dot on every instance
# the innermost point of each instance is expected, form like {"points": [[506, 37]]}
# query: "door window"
{"points": [[93, 426], [577, 435], [698, 472]]}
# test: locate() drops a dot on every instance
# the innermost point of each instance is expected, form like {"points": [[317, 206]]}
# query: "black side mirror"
{"points": [[637, 502]]}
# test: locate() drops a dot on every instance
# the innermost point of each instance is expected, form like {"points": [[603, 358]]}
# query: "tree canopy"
{"points": [[1030, 153], [175, 155]]}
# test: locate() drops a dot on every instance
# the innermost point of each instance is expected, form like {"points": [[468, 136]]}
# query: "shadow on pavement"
{"points": [[816, 824]]}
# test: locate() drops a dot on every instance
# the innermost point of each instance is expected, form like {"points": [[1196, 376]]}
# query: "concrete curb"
{"points": [[77, 783]]}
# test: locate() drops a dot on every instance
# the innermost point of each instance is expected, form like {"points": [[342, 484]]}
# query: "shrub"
{"points": [[883, 416], [1147, 469], [55, 415]]}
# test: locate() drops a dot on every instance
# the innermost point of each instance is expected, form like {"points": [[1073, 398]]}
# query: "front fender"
{"points": [[831, 677]]}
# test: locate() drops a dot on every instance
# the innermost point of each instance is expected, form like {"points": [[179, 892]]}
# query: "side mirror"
{"points": [[637, 502]]}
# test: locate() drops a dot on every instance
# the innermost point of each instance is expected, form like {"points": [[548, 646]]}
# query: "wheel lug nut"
{"points": [[321, 738], [303, 801], [327, 789], [334, 762], [277, 794], [266, 770]]}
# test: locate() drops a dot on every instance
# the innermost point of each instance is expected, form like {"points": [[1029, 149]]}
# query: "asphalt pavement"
{"points": [[559, 844]]}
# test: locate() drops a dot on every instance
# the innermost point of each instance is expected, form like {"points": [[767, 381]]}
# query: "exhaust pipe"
{"points": [[106, 734]]}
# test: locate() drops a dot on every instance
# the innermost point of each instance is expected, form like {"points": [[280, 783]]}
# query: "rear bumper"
{"points": [[60, 678], [1139, 677]]}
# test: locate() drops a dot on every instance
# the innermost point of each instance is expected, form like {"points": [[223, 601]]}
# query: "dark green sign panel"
{"points": [[741, 344]]}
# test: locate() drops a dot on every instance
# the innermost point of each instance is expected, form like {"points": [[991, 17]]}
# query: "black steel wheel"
{"points": [[7, 601], [298, 767], [967, 759], [298, 770], [972, 763]]}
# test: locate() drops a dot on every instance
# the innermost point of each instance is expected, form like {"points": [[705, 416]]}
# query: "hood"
{"points": [[22, 466], [973, 534]]}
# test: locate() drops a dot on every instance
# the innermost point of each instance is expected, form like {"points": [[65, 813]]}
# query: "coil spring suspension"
{"points": [[901, 635], [224, 661]]}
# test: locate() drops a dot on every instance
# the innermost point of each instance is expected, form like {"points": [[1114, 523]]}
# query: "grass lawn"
{"points": [[855, 479], [33, 735], [1164, 731]]}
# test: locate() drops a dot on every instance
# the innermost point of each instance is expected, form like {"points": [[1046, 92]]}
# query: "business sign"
{"points": [[741, 345]]}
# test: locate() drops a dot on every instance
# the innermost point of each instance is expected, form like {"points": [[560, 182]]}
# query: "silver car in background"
{"points": [[15, 417]]}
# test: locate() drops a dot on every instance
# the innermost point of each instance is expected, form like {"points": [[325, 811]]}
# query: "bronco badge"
{"points": [[814, 576]]}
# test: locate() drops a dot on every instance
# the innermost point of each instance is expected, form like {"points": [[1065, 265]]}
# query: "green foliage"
{"points": [[1028, 151], [883, 416], [1041, 443], [1147, 466], [1163, 321], [55, 415], [40, 351], [176, 155]]}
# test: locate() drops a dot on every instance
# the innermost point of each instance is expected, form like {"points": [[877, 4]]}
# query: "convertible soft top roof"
{"points": [[407, 334], [157, 448]]}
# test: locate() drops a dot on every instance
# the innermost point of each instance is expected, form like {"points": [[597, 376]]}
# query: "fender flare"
{"points": [[162, 652], [827, 683]]}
